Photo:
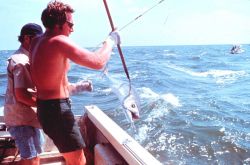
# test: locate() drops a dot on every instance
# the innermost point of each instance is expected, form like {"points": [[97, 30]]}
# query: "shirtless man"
{"points": [[50, 55]]}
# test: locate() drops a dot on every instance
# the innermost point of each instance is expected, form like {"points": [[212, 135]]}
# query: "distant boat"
{"points": [[236, 49]]}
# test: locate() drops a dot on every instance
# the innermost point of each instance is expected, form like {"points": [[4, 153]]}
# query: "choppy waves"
{"points": [[194, 102]]}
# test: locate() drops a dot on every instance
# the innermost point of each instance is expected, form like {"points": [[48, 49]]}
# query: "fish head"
{"points": [[132, 106]]}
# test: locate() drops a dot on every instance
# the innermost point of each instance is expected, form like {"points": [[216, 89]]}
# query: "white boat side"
{"points": [[124, 144]]}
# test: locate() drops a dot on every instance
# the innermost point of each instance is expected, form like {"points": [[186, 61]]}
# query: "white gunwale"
{"points": [[127, 147]]}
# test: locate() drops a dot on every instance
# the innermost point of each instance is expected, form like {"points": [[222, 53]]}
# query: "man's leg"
{"points": [[75, 157], [33, 161], [25, 139]]}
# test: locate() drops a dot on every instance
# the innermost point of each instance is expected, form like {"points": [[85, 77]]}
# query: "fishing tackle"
{"points": [[129, 102], [141, 15], [118, 46]]}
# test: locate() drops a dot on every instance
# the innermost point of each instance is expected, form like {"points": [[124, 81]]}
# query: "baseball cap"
{"points": [[31, 29]]}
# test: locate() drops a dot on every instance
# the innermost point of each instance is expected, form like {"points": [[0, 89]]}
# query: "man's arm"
{"points": [[25, 97], [22, 82], [95, 60], [84, 85]]}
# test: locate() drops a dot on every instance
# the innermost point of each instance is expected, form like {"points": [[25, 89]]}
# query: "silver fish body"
{"points": [[131, 103], [128, 97]]}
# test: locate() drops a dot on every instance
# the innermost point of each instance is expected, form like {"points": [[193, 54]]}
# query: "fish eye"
{"points": [[133, 105]]}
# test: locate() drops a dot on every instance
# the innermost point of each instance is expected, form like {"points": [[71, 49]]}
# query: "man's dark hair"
{"points": [[30, 29], [55, 14]]}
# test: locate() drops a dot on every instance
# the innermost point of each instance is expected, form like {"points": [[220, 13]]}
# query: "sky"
{"points": [[172, 22]]}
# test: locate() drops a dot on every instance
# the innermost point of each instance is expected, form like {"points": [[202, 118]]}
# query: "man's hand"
{"points": [[84, 85], [81, 86], [115, 36]]}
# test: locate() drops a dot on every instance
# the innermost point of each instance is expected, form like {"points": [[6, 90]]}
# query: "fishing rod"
{"points": [[113, 28], [141, 15], [118, 45]]}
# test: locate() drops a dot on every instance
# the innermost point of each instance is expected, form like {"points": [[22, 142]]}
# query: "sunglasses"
{"points": [[70, 24]]}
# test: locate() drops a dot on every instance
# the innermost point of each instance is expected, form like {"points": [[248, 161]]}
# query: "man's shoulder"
{"points": [[19, 58], [61, 39]]}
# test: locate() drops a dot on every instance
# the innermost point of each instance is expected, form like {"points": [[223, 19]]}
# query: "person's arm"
{"points": [[95, 60], [84, 85], [25, 97], [23, 85]]}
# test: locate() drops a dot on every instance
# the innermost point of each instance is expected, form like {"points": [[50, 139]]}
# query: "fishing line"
{"points": [[165, 20], [135, 19], [118, 46]]}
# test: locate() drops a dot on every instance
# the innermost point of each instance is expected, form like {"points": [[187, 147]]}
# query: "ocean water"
{"points": [[195, 106]]}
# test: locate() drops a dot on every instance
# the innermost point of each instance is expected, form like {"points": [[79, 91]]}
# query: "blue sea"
{"points": [[195, 101]]}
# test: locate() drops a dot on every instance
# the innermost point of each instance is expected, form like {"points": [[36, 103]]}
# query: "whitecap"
{"points": [[171, 99], [148, 93], [221, 76], [142, 133]]}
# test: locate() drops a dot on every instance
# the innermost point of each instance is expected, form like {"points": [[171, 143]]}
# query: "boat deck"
{"points": [[9, 153], [106, 143]]}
